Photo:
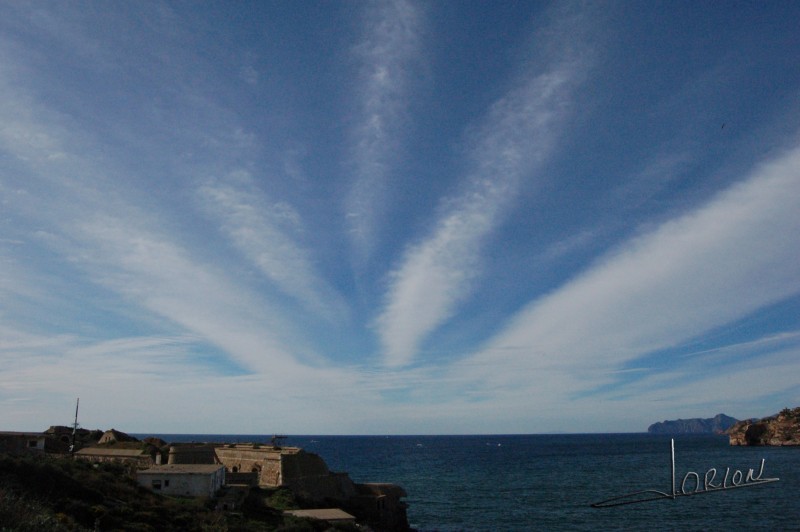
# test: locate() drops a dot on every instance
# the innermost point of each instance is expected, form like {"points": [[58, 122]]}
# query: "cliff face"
{"points": [[715, 425], [780, 429]]}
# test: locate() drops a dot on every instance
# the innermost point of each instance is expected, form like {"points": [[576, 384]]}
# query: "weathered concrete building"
{"points": [[186, 480]]}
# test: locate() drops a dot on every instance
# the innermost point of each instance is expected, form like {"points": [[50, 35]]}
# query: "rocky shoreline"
{"points": [[782, 429]]}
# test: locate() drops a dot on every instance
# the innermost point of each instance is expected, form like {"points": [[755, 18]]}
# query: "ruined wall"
{"points": [[306, 474], [249, 458]]}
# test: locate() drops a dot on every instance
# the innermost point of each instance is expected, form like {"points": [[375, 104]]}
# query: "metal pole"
{"points": [[672, 447]]}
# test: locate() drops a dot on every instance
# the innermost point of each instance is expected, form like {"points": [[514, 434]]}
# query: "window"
{"points": [[31, 443], [156, 484], [166, 483]]}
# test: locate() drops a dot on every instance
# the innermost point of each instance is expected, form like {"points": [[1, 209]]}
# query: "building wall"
{"points": [[22, 442], [192, 454], [141, 460], [241, 479], [184, 484], [264, 461]]}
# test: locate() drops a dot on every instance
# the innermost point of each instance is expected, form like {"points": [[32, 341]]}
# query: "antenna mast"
{"points": [[75, 427]]}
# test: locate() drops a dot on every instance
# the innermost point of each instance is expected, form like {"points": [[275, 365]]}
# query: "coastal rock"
{"points": [[778, 430], [715, 425]]}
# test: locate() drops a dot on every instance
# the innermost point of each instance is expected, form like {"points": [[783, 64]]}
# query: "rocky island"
{"points": [[781, 429]]}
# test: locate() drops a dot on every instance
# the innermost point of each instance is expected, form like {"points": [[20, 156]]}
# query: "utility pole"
{"points": [[75, 427]]}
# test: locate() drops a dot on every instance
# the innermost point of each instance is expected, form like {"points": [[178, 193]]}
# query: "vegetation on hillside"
{"points": [[781, 429], [60, 494]]}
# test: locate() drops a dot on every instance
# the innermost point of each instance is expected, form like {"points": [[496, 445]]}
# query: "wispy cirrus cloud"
{"points": [[88, 222], [387, 55], [738, 378], [110, 237], [153, 382], [701, 270], [514, 139], [173, 185], [267, 234]]}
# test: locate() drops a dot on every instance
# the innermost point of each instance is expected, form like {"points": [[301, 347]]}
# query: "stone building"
{"points": [[139, 458], [193, 454], [306, 475]]}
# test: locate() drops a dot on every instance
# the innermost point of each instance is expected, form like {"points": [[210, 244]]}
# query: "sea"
{"points": [[549, 482]]}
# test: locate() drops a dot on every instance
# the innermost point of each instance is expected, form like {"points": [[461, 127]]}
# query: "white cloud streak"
{"points": [[387, 53], [87, 217], [262, 232], [435, 275], [699, 271], [745, 388], [151, 271], [158, 384]]}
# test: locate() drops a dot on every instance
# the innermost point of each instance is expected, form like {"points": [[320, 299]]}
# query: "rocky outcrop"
{"points": [[715, 425], [780, 429]]}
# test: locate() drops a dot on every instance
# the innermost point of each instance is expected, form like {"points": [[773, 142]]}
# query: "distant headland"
{"points": [[780, 429], [713, 425]]}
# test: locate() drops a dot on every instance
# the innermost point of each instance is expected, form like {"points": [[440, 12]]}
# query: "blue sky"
{"points": [[394, 218]]}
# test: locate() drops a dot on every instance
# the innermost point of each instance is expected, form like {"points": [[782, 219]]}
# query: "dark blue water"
{"points": [[547, 482]]}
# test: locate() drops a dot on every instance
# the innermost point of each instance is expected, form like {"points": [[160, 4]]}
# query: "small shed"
{"points": [[188, 480]]}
